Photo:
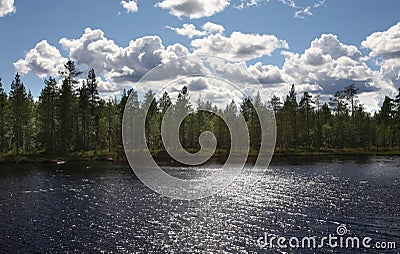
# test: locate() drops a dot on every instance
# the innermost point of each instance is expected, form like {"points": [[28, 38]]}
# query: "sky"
{"points": [[319, 45]]}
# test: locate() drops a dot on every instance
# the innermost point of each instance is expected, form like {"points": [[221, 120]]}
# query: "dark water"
{"points": [[102, 207]]}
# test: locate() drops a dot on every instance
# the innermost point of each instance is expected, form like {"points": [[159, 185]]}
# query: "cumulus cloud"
{"points": [[190, 30], [384, 44], [117, 66], [130, 6], [200, 9], [173, 52], [325, 67], [212, 28], [328, 65], [385, 47], [198, 84], [6, 7], [128, 64], [43, 60], [193, 8], [238, 46], [267, 74]]}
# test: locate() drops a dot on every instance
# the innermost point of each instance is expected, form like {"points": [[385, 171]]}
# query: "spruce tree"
{"points": [[19, 111]]}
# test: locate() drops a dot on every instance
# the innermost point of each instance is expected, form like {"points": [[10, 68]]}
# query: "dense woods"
{"points": [[70, 118]]}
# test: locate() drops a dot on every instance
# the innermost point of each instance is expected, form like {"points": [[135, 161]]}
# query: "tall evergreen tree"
{"points": [[306, 108], [19, 111], [93, 98], [339, 105], [67, 115], [183, 107], [47, 111], [318, 126], [30, 129], [385, 117], [290, 108], [276, 105], [397, 117], [84, 116], [349, 93], [3, 106]]}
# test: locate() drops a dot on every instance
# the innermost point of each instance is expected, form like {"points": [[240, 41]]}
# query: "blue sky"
{"points": [[287, 26]]}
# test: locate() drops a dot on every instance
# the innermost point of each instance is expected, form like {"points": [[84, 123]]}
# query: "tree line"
{"points": [[70, 116], [339, 124], [66, 118]]}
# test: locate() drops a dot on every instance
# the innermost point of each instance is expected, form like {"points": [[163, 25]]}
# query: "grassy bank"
{"points": [[40, 157], [162, 156]]}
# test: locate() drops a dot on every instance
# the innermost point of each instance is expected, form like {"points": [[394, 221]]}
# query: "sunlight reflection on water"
{"points": [[106, 208]]}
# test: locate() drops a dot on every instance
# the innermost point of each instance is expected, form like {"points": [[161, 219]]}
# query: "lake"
{"points": [[103, 207]]}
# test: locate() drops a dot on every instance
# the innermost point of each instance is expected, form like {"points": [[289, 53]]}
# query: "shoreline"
{"points": [[162, 156]]}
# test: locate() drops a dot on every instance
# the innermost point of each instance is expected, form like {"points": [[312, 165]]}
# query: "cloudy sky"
{"points": [[318, 45]]}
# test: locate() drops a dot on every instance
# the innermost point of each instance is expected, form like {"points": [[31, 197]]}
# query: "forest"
{"points": [[72, 119]]}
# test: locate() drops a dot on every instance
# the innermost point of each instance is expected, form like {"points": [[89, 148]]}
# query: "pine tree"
{"points": [[84, 117], [306, 108], [3, 106], [276, 105], [30, 129], [111, 125], [46, 111], [19, 111], [318, 126], [339, 106], [349, 93], [397, 117], [182, 108], [93, 98], [384, 118], [290, 108], [67, 109]]}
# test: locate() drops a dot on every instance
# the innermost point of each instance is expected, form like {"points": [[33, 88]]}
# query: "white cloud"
{"points": [[238, 46], [385, 47], [173, 52], [325, 67], [329, 65], [6, 7], [248, 3], [43, 60], [384, 44], [130, 6], [303, 10], [116, 63], [267, 74], [198, 84], [212, 28], [193, 8], [190, 30], [117, 66], [199, 8]]}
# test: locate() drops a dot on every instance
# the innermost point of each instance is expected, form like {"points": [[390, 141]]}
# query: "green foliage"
{"points": [[20, 112], [70, 118]]}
